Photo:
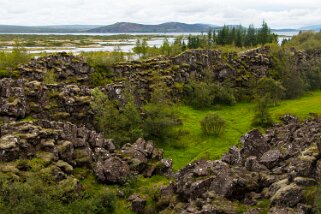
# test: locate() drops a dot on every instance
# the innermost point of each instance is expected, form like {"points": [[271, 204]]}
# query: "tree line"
{"points": [[235, 36]]}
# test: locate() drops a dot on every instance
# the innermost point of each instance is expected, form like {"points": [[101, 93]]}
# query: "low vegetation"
{"points": [[308, 40], [9, 61], [194, 145], [212, 124]]}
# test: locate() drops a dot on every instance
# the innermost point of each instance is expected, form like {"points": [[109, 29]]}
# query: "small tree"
{"points": [[262, 115], [212, 124], [160, 117], [271, 88], [121, 125]]}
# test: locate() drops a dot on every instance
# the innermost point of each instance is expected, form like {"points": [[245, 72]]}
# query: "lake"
{"points": [[124, 45]]}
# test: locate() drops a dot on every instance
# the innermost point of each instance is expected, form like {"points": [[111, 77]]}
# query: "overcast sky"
{"points": [[278, 13]]}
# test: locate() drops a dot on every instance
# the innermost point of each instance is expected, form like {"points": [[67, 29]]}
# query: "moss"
{"points": [[28, 119], [310, 194], [36, 164], [61, 115], [264, 205], [53, 94], [52, 104], [4, 74], [11, 99], [50, 77], [81, 157], [46, 158]]}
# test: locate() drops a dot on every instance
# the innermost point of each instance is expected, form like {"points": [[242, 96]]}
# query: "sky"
{"points": [[277, 13]]}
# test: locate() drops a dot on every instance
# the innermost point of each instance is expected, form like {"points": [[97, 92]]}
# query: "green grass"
{"points": [[195, 145]]}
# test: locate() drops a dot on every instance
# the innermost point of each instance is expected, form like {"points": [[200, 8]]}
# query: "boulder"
{"points": [[233, 157], [271, 158], [112, 171], [9, 148], [288, 196], [138, 203], [254, 144]]}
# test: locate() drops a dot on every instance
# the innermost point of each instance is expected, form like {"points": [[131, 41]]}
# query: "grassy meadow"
{"points": [[193, 144]]}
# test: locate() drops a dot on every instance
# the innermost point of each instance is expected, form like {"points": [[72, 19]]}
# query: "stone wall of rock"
{"points": [[66, 102], [280, 166], [67, 68], [193, 64], [63, 142]]}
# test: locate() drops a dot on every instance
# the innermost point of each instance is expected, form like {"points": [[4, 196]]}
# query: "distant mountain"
{"points": [[47, 29], [285, 30], [127, 27], [313, 27]]}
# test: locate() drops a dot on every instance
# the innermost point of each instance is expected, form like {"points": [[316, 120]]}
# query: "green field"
{"points": [[194, 145]]}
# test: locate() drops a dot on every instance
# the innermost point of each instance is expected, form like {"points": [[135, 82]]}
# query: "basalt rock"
{"points": [[65, 145], [64, 66], [281, 167]]}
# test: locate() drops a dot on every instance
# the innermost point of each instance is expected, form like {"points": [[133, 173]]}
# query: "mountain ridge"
{"points": [[130, 27]]}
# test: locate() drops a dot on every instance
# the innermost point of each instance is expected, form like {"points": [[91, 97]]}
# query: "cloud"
{"points": [[285, 13]]}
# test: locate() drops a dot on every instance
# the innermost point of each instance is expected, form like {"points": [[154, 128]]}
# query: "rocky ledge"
{"points": [[63, 146], [281, 167]]}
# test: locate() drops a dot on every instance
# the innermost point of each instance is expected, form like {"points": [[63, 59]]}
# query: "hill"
{"points": [[312, 27], [46, 29], [127, 27]]}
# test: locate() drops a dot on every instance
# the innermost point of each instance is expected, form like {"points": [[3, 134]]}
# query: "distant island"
{"points": [[128, 27]]}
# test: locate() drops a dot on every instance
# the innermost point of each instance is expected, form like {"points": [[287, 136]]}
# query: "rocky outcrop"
{"points": [[280, 166], [59, 142], [65, 67], [238, 69]]}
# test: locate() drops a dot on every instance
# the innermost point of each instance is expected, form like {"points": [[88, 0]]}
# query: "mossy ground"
{"points": [[193, 144]]}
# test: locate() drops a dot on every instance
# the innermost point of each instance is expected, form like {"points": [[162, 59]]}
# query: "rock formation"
{"points": [[281, 166], [45, 115]]}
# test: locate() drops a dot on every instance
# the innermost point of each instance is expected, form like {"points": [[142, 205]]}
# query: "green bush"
{"points": [[34, 195], [262, 115], [305, 40], [312, 74], [271, 88], [102, 62], [4, 74], [121, 123], [160, 117], [212, 124], [10, 60], [206, 94]]}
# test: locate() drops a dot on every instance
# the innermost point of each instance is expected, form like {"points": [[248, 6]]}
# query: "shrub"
{"points": [[271, 88], [306, 40], [206, 94], [293, 82], [212, 124], [10, 60], [160, 117], [102, 62], [4, 74], [312, 74], [124, 126], [262, 115], [34, 195]]}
